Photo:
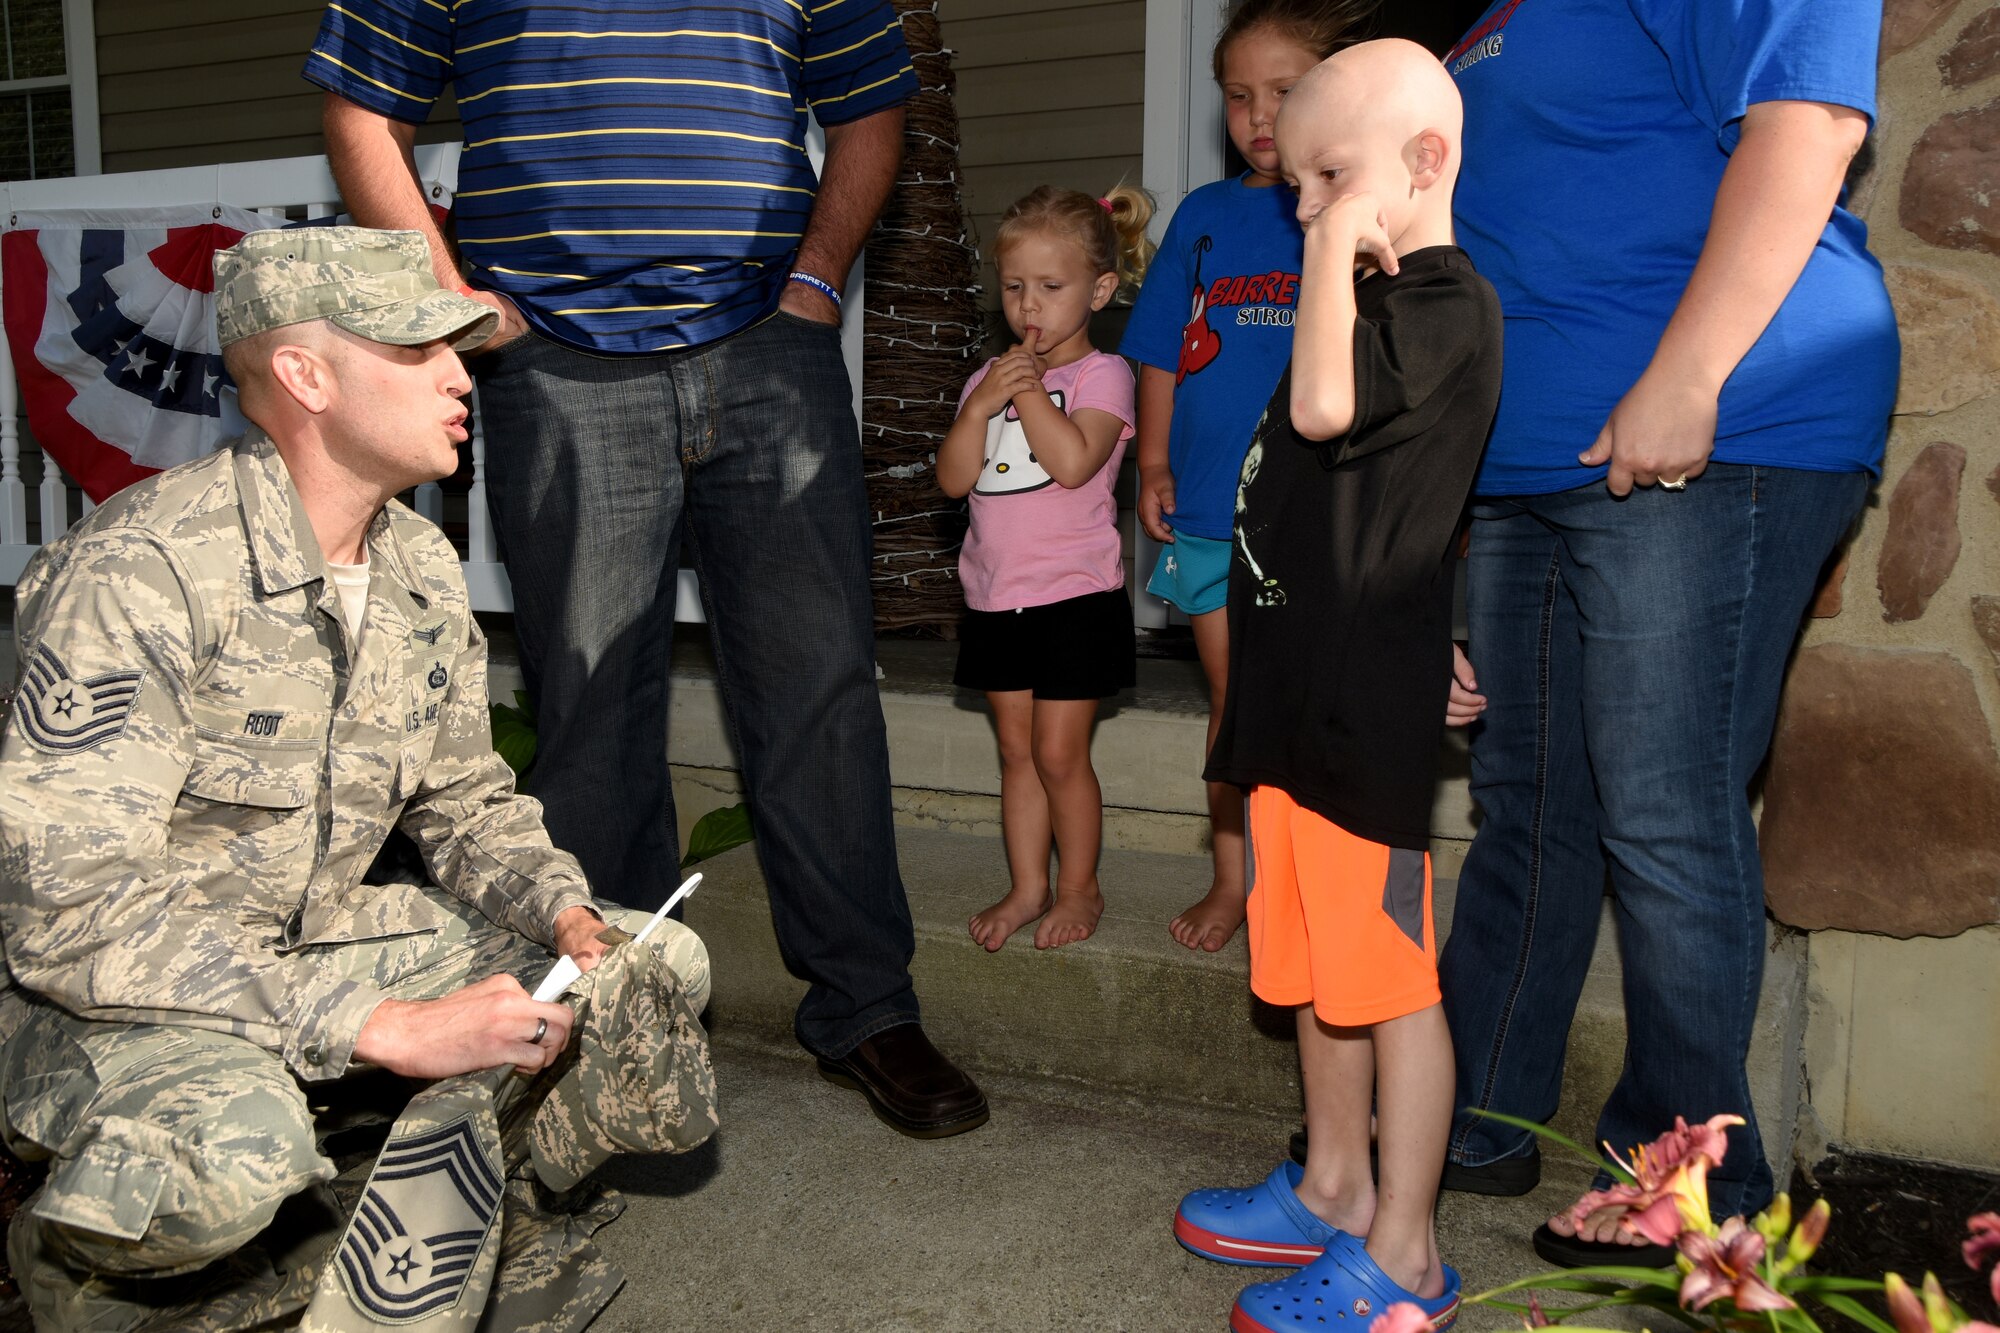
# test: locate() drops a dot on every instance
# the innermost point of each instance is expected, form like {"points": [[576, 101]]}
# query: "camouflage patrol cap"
{"points": [[376, 284]]}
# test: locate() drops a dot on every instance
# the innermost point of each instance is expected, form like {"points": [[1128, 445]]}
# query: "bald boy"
{"points": [[1340, 606]]}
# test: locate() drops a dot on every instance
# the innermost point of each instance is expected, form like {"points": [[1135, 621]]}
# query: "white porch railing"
{"points": [[292, 188]]}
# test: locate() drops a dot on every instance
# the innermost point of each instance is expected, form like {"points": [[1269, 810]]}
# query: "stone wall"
{"points": [[1882, 805]]}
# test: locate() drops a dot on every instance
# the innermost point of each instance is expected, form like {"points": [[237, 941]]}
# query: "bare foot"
{"points": [[1073, 918], [1210, 923], [1601, 1226], [992, 926]]}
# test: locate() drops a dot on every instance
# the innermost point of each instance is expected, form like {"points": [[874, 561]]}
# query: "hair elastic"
{"points": [[1107, 204]]}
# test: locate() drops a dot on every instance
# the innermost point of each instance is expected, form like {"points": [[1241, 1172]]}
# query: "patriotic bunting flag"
{"points": [[111, 318]]}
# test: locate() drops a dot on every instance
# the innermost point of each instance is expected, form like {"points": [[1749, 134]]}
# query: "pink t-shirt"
{"points": [[1034, 541]]}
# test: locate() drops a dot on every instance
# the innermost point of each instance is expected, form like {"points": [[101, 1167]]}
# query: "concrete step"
{"points": [[1130, 1012], [944, 764]]}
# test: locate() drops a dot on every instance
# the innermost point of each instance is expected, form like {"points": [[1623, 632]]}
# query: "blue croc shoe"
{"points": [[1342, 1289], [1263, 1227]]}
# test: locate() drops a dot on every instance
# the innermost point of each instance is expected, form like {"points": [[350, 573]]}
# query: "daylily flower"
{"points": [[1932, 1314], [1776, 1221], [1806, 1237], [1937, 1306], [1660, 1212], [1906, 1312], [1670, 1193], [1681, 1144], [1983, 1244], [1402, 1317], [1724, 1266]]}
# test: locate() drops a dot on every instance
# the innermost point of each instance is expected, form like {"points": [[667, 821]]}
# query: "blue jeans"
{"points": [[746, 448], [1632, 652]]}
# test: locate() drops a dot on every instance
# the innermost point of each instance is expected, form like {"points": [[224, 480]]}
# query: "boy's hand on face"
{"points": [[1353, 226], [1156, 501], [1464, 703], [1661, 432]]}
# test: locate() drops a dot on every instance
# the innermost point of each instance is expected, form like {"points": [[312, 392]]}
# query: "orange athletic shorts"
{"points": [[1335, 920]]}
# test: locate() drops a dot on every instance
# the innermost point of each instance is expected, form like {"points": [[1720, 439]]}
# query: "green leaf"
{"points": [[1824, 1282], [1632, 1283], [716, 832], [514, 734], [1543, 1131], [1855, 1310]]}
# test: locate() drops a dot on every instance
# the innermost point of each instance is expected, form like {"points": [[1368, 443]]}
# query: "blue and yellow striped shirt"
{"points": [[634, 173]]}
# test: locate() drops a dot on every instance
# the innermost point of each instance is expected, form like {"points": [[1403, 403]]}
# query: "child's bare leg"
{"points": [[1209, 923], [1024, 823], [1337, 1069], [1076, 811], [1415, 1086]]}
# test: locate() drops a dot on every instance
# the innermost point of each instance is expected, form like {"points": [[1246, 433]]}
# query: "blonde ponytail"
{"points": [[1111, 230]]}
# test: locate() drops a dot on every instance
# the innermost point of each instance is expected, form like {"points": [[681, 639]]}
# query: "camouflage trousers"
{"points": [[194, 1182]]}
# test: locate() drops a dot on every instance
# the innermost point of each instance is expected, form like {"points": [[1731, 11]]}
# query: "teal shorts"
{"points": [[1193, 573]]}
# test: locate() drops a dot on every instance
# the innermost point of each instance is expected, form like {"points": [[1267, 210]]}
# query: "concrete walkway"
{"points": [[806, 1215]]}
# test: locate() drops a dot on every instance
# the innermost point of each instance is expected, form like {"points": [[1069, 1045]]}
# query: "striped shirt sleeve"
{"points": [[393, 57], [856, 62]]}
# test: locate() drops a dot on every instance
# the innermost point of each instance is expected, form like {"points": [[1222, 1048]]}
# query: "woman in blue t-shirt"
{"points": [[1700, 365]]}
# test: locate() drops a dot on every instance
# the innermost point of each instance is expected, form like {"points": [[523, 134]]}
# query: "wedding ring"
{"points": [[541, 1030], [1680, 485]]}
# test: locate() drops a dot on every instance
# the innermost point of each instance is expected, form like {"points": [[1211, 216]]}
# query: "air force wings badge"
{"points": [[429, 636], [64, 715]]}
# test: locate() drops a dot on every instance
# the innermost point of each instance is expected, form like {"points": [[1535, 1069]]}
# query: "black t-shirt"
{"points": [[1340, 587]]}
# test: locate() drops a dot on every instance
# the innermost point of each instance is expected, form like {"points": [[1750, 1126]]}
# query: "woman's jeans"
{"points": [[746, 449], [1632, 652]]}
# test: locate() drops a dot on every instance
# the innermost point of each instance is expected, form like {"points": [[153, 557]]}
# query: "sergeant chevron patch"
{"points": [[416, 1235], [63, 715]]}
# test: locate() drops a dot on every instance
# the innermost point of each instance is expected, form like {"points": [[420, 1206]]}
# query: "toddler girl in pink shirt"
{"points": [[1040, 433]]}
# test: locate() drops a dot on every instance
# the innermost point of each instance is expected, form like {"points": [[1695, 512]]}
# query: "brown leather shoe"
{"points": [[910, 1083]]}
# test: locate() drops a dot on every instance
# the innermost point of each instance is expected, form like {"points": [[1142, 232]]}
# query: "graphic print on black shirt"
{"points": [[1268, 592], [1340, 588]]}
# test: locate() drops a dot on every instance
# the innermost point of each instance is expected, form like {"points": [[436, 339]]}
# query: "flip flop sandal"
{"points": [[1343, 1289], [1571, 1252], [1262, 1227]]}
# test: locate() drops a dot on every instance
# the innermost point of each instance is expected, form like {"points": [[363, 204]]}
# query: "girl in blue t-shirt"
{"points": [[1212, 331]]}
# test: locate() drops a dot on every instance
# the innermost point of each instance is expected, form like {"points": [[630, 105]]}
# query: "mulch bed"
{"points": [[17, 1181], [1893, 1215]]}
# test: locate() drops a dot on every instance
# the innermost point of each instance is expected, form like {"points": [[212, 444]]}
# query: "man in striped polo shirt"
{"points": [[636, 201]]}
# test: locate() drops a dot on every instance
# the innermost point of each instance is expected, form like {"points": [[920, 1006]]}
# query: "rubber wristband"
{"points": [[467, 289], [818, 284]]}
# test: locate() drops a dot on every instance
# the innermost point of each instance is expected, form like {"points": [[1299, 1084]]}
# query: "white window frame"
{"points": [[80, 77], [1185, 137]]}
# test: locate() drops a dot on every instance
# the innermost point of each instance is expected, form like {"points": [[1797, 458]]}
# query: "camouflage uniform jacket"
{"points": [[198, 772]]}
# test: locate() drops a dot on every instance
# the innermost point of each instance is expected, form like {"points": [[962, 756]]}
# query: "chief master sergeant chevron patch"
{"points": [[415, 1239]]}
